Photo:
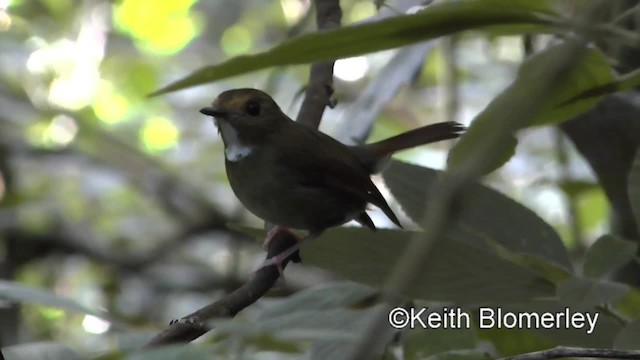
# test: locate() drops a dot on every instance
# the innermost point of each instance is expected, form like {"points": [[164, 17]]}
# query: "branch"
{"points": [[194, 325], [317, 97], [566, 352], [320, 88]]}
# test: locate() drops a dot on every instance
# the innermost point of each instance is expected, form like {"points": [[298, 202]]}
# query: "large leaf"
{"points": [[633, 187], [454, 272], [582, 293], [343, 294], [25, 294], [628, 338], [561, 101], [334, 332], [176, 352], [420, 343], [591, 71], [603, 333], [483, 215], [607, 254], [436, 20]]}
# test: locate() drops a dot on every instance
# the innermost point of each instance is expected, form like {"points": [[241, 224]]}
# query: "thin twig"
{"points": [[320, 88]]}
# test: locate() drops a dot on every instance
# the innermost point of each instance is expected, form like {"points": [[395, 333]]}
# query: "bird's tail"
{"points": [[373, 155]]}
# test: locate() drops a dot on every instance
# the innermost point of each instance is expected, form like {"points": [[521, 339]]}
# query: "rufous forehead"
{"points": [[235, 100]]}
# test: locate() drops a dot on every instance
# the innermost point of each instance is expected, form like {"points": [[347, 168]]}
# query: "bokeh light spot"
{"points": [[236, 40], [351, 69], [110, 106], [5, 20], [362, 10], [159, 133], [293, 10], [62, 130], [95, 325], [158, 26]]}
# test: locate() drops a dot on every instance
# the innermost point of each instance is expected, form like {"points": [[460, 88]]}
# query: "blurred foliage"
{"points": [[114, 206]]}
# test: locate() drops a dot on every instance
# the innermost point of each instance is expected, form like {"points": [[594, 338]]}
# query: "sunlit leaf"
{"points": [[159, 133], [593, 208], [590, 70], [437, 20]]}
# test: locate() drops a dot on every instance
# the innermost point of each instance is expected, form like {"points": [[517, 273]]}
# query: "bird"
{"points": [[297, 177]]}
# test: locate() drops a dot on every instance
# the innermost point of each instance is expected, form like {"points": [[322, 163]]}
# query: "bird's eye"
{"points": [[253, 108]]}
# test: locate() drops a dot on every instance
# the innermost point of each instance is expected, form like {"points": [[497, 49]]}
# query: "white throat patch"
{"points": [[234, 149]]}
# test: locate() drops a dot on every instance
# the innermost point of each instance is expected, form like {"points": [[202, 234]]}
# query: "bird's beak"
{"points": [[214, 111]]}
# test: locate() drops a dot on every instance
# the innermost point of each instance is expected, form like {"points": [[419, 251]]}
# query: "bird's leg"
{"points": [[278, 260], [271, 234]]}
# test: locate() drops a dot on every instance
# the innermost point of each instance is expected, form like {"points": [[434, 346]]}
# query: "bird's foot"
{"points": [[271, 234], [278, 260]]}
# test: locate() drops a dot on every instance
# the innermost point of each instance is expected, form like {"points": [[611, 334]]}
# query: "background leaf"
{"points": [[634, 187], [40, 351], [589, 71], [607, 254], [455, 272], [420, 343], [628, 338], [508, 223], [25, 294]]}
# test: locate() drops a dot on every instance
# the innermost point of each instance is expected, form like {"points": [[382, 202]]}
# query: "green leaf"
{"points": [[40, 351], [454, 272], [483, 215], [590, 70], [460, 355], [607, 254], [510, 342], [437, 20], [628, 338], [176, 352], [633, 188], [583, 293], [621, 83], [325, 297], [604, 331], [629, 305], [25, 294], [421, 343]]}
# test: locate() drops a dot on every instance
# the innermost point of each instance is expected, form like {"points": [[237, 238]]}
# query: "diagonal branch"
{"points": [[318, 94]]}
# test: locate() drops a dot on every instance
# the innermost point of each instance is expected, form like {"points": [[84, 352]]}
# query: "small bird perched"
{"points": [[298, 177]]}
